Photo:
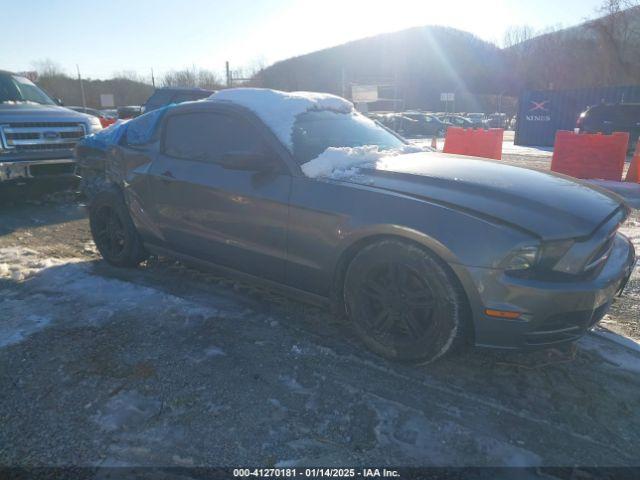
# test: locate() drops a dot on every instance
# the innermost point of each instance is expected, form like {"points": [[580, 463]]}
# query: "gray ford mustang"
{"points": [[422, 251]]}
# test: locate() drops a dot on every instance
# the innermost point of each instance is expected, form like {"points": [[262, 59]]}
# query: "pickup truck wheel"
{"points": [[113, 231], [404, 302]]}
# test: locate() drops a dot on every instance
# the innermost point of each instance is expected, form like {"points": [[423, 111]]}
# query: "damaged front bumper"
{"points": [[37, 176], [553, 312], [28, 171]]}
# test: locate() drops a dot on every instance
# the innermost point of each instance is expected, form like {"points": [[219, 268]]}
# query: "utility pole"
{"points": [[395, 90], [229, 79], [84, 100], [153, 80], [343, 83]]}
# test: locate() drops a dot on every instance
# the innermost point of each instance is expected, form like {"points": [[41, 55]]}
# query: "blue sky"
{"points": [[108, 36]]}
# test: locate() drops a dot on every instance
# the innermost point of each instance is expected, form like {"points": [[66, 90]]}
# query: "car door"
{"points": [[234, 218]]}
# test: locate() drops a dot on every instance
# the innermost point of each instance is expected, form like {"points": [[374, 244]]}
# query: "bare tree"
{"points": [[48, 68], [517, 35], [128, 75], [192, 77], [519, 52], [618, 34]]}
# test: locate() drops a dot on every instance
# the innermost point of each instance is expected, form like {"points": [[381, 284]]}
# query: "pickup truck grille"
{"points": [[31, 136]]}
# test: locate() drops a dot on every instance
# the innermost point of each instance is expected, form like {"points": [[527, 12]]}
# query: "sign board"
{"points": [[364, 93], [447, 97], [107, 100]]}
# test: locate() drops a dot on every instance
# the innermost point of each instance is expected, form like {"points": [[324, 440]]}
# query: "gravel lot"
{"points": [[165, 365]]}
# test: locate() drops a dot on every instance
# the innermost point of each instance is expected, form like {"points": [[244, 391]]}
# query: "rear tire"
{"points": [[404, 302], [113, 231]]}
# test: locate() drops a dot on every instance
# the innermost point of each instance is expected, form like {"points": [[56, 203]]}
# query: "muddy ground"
{"points": [[165, 365]]}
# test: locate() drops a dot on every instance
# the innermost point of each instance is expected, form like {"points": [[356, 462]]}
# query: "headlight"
{"points": [[552, 252], [522, 258], [94, 125]]}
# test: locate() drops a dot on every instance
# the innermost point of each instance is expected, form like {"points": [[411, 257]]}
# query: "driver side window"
{"points": [[206, 136]]}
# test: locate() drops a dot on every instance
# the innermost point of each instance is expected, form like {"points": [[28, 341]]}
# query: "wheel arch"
{"points": [[445, 256]]}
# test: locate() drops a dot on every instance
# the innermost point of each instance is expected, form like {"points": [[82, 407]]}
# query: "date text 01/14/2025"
{"points": [[315, 473]]}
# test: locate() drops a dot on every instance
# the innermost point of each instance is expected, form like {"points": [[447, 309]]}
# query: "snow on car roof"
{"points": [[279, 109]]}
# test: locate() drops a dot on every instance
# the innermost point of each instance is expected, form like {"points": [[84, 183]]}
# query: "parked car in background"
{"points": [[412, 124], [169, 95], [423, 125], [456, 121], [608, 118], [37, 136], [247, 184], [105, 120], [496, 120], [110, 112], [128, 112], [476, 118], [393, 121]]}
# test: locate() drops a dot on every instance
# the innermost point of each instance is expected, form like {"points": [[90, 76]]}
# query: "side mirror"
{"points": [[58, 101], [249, 161]]}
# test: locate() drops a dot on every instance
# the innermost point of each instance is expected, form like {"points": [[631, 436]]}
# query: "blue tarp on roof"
{"points": [[138, 131]]}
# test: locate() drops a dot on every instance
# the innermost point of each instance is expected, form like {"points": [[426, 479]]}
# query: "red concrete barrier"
{"points": [[474, 142], [590, 155], [633, 174]]}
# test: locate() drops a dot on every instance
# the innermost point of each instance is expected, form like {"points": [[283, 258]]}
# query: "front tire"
{"points": [[404, 303], [113, 231]]}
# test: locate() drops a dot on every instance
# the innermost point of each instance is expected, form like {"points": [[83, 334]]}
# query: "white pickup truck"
{"points": [[37, 135]]}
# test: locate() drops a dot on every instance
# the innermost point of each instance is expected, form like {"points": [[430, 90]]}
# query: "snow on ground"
{"points": [[509, 148], [607, 346], [279, 109], [72, 280], [19, 263]]}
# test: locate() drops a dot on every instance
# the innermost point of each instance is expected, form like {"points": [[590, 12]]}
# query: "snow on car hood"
{"points": [[549, 205], [346, 162], [278, 110]]}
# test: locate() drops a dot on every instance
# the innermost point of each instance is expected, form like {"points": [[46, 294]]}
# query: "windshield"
{"points": [[14, 88], [315, 131]]}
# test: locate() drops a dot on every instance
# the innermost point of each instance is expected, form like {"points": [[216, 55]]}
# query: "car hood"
{"points": [[32, 112], [550, 206]]}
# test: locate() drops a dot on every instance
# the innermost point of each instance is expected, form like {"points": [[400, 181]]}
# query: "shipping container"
{"points": [[543, 112]]}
